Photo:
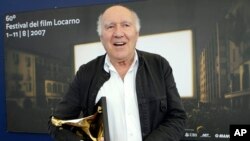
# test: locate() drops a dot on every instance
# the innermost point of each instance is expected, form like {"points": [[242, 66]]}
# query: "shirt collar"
{"points": [[108, 65]]}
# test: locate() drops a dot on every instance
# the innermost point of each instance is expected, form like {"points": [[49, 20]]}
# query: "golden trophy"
{"points": [[94, 126]]}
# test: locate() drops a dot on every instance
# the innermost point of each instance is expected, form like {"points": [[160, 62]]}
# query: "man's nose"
{"points": [[118, 33]]}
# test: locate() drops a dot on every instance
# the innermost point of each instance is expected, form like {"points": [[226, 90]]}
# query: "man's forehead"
{"points": [[110, 22]]}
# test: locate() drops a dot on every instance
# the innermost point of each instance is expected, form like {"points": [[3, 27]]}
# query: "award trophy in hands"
{"points": [[94, 126]]}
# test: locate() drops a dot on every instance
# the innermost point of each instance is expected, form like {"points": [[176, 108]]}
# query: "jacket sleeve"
{"points": [[173, 125]]}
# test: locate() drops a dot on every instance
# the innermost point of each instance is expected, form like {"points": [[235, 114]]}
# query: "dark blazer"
{"points": [[162, 115]]}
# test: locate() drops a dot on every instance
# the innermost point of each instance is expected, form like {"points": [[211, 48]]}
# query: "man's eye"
{"points": [[126, 25], [110, 27]]}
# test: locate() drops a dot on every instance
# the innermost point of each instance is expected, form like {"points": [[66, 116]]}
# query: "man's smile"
{"points": [[119, 44]]}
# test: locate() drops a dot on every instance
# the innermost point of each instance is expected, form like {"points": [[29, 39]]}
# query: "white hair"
{"points": [[137, 22]]}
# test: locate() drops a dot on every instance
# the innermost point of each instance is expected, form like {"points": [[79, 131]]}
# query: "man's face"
{"points": [[119, 34]]}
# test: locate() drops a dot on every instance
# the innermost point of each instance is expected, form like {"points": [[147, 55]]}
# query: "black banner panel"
{"points": [[206, 43]]}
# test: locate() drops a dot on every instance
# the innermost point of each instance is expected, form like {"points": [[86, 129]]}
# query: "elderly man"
{"points": [[142, 99]]}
